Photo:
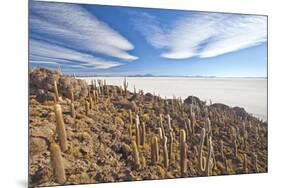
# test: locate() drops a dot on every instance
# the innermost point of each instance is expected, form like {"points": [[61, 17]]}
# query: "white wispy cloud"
{"points": [[46, 53], [62, 31], [203, 34]]}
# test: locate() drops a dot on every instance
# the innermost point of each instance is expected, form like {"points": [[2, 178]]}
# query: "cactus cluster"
{"points": [[150, 136]]}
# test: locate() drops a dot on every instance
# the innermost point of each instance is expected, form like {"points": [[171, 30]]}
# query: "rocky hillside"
{"points": [[113, 134]]}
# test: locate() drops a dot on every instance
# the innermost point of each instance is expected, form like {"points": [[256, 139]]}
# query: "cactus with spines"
{"points": [[182, 152], [56, 92], [165, 153], [143, 134], [208, 125], [72, 110], [257, 133], [60, 127], [91, 102], [135, 154], [210, 160], [171, 145], [131, 131], [100, 87], [93, 84], [72, 96], [57, 164], [188, 123], [137, 130], [154, 150], [202, 160], [87, 107], [221, 149], [169, 122], [193, 121], [105, 88], [187, 133], [161, 125], [125, 85], [131, 117]]}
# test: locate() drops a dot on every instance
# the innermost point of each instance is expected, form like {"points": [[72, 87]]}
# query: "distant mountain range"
{"points": [[151, 75]]}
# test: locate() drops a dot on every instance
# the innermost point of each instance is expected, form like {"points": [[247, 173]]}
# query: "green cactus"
{"points": [[57, 164], [61, 128]]}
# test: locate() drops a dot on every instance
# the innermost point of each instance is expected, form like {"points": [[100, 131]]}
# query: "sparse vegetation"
{"points": [[107, 133]]}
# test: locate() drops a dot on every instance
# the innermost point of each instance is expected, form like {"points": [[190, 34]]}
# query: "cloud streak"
{"points": [[64, 33], [203, 34], [46, 53]]}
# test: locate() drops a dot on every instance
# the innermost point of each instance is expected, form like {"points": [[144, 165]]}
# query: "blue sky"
{"points": [[111, 40]]}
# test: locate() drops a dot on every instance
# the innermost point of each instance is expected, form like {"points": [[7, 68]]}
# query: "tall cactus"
{"points": [[169, 123], [193, 121], [171, 145], [143, 133], [56, 92], [135, 154], [182, 153], [61, 128], [202, 160], [165, 153], [137, 131], [72, 110], [87, 107], [57, 164], [91, 102], [161, 125], [154, 150], [125, 85], [131, 117], [131, 131], [71, 96]]}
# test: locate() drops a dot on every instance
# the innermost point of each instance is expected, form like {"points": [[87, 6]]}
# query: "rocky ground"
{"points": [[99, 142]]}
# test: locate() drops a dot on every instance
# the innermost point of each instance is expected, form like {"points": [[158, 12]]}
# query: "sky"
{"points": [[115, 40]]}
